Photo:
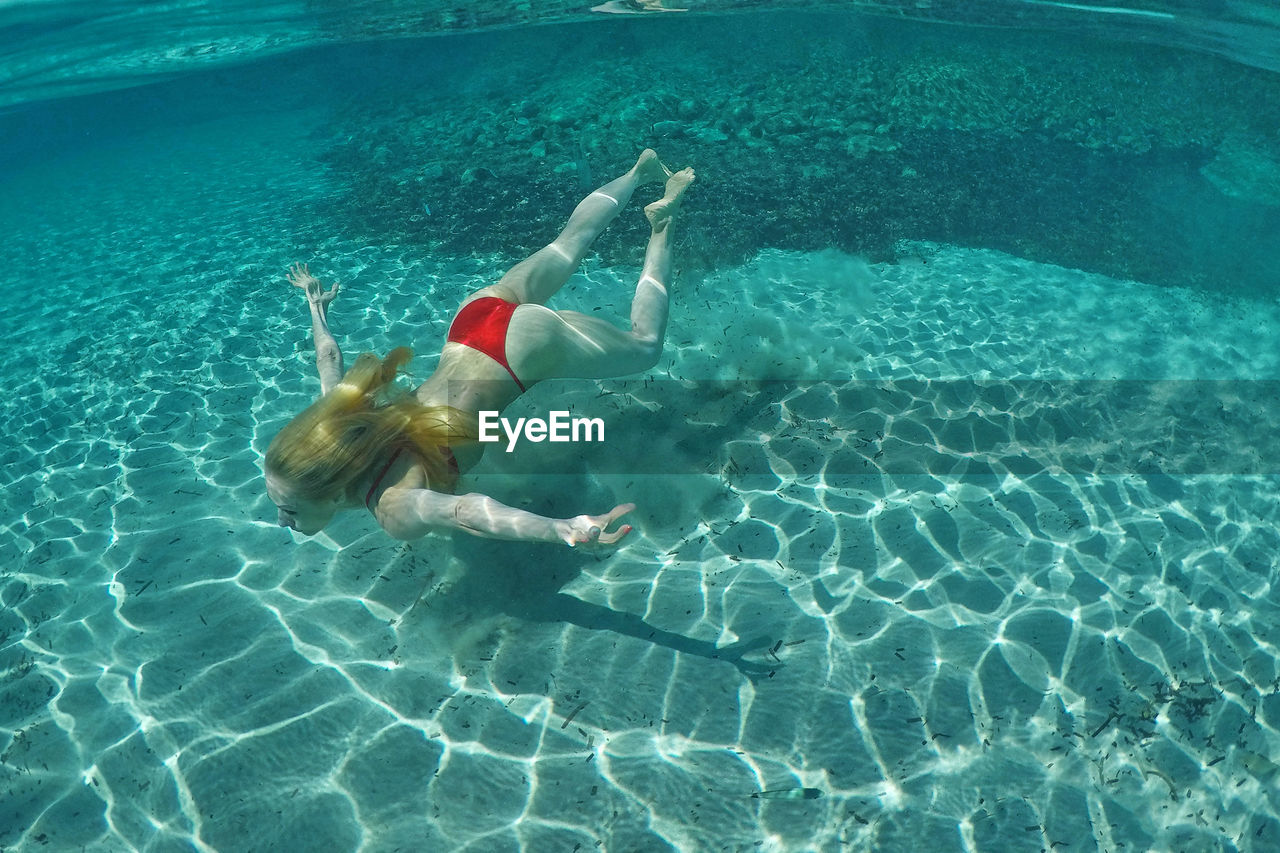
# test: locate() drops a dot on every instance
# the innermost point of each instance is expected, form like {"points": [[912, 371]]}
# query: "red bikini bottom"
{"points": [[482, 325]]}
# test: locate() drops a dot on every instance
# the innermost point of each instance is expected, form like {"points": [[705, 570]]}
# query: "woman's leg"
{"points": [[545, 344], [538, 277]]}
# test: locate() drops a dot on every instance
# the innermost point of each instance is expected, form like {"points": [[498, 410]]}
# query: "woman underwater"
{"points": [[400, 457]]}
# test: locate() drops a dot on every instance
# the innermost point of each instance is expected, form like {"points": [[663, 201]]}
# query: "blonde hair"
{"points": [[334, 442]]}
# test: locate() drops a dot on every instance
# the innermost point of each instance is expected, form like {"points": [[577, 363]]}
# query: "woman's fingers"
{"points": [[594, 529], [618, 511], [300, 276], [600, 532], [610, 538]]}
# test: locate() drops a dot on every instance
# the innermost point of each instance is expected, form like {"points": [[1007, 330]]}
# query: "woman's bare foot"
{"points": [[649, 168], [662, 211]]}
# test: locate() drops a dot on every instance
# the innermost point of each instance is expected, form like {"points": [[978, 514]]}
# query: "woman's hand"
{"points": [[592, 530], [300, 276]]}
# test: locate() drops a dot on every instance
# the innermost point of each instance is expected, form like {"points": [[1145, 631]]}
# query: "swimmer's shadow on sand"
{"points": [[516, 581]]}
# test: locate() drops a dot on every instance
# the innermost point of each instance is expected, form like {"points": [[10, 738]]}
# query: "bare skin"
{"points": [[541, 344], [328, 355]]}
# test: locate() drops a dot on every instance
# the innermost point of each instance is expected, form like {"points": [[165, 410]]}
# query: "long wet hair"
{"points": [[334, 442]]}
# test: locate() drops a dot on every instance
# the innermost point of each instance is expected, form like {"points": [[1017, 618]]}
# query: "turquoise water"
{"points": [[949, 508]]}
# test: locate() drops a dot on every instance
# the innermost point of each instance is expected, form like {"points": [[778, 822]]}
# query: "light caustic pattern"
{"points": [[958, 645]]}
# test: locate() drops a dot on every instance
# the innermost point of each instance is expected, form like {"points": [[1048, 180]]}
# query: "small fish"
{"points": [[1259, 766], [582, 167], [788, 794]]}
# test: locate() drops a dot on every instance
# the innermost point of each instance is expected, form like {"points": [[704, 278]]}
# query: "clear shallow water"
{"points": [[1060, 648]]}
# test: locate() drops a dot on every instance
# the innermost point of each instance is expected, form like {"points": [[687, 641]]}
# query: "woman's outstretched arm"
{"points": [[412, 513], [328, 355]]}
